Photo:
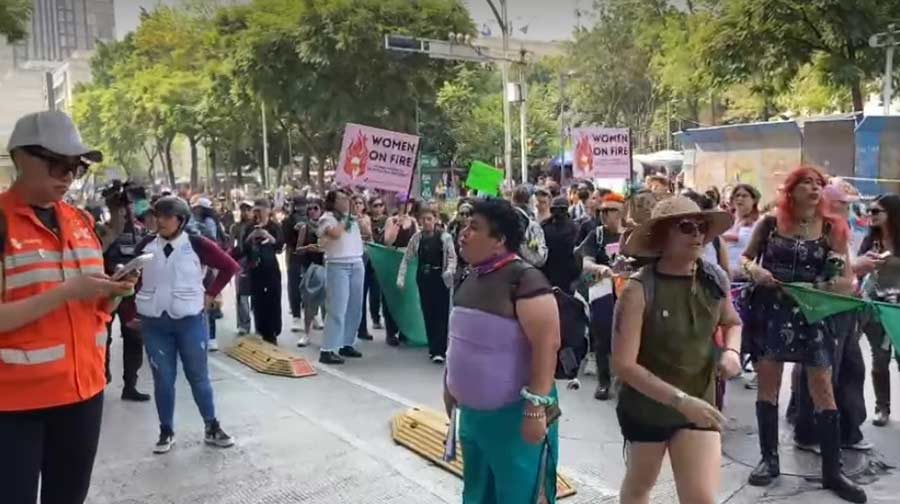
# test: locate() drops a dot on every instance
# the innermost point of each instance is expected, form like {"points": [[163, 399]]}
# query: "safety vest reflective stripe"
{"points": [[82, 254], [27, 278], [28, 258], [42, 355]]}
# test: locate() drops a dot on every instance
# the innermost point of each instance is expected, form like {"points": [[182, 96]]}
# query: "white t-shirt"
{"points": [[347, 248], [736, 249]]}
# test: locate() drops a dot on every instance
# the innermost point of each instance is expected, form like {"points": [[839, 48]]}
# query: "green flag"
{"points": [[889, 315], [403, 304], [484, 178], [817, 305]]}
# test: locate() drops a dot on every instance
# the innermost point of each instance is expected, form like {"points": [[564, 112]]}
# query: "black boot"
{"points": [[769, 467], [132, 394], [833, 479]]}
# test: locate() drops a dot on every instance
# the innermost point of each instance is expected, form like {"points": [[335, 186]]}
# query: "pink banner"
{"points": [[601, 153], [377, 158]]}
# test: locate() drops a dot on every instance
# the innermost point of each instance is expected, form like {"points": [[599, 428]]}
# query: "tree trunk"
{"points": [[856, 93], [307, 166], [170, 168], [195, 168], [323, 166], [213, 181], [280, 172]]}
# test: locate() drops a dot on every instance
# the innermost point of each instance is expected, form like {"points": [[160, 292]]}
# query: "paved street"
{"points": [[326, 439]]}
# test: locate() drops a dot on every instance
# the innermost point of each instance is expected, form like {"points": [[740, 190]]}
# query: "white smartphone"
{"points": [[885, 254], [133, 265]]}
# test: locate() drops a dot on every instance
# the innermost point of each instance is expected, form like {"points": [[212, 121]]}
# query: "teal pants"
{"points": [[500, 467]]}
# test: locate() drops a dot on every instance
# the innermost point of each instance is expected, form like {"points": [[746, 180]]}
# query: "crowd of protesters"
{"points": [[680, 289]]}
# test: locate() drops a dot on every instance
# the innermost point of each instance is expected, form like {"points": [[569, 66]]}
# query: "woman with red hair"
{"points": [[801, 243]]}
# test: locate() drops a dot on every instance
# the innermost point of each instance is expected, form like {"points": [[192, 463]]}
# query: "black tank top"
{"points": [[404, 235], [312, 257], [431, 250]]}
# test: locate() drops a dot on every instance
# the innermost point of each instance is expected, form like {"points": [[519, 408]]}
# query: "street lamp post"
{"points": [[889, 40], [563, 76]]}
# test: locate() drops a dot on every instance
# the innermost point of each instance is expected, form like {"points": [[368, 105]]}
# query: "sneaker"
{"points": [[165, 443], [590, 365], [330, 358], [862, 445], [213, 346], [215, 436], [303, 341], [811, 448], [882, 418], [437, 359], [132, 394], [297, 324], [349, 351], [752, 384], [377, 325], [317, 323]]}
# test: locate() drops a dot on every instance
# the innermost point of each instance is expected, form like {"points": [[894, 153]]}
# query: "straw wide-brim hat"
{"points": [[642, 243]]}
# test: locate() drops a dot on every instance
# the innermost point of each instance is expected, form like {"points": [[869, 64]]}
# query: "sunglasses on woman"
{"points": [[875, 211], [691, 227], [312, 208]]}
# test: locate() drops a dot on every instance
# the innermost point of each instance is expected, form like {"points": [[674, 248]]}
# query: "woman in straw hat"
{"points": [[801, 243], [662, 352]]}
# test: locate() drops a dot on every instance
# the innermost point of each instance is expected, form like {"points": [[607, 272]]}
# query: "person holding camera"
{"points": [[260, 245], [120, 237]]}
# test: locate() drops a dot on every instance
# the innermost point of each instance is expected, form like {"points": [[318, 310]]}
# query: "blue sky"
{"points": [[545, 19]]}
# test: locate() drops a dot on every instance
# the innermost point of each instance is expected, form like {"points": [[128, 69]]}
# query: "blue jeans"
{"points": [[165, 338], [344, 303]]}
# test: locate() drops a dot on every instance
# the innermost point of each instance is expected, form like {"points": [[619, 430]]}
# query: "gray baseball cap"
{"points": [[53, 131]]}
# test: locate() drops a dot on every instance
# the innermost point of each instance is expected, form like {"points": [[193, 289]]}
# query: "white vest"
{"points": [[174, 284]]}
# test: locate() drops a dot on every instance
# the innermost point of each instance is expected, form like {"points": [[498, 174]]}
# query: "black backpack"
{"points": [[573, 331], [573, 335]]}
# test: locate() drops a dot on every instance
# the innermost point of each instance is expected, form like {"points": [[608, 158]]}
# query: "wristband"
{"points": [[537, 400]]}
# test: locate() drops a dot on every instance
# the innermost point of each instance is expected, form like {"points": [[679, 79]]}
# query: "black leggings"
{"points": [[56, 445], [266, 304]]}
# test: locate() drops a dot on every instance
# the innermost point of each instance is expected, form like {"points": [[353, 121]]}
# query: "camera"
{"points": [[120, 194]]}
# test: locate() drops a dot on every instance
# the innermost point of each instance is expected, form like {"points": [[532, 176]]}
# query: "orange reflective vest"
{"points": [[58, 359]]}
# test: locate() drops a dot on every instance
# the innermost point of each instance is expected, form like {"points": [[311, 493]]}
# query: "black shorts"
{"points": [[637, 432]]}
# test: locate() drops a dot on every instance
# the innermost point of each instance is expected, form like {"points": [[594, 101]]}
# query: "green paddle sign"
{"points": [[484, 178]]}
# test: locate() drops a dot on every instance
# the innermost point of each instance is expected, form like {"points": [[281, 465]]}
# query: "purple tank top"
{"points": [[488, 359]]}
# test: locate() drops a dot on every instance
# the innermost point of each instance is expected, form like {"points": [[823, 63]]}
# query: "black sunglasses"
{"points": [[875, 211], [58, 166], [312, 208], [690, 227]]}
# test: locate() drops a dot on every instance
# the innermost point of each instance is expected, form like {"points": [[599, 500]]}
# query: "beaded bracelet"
{"points": [[537, 400]]}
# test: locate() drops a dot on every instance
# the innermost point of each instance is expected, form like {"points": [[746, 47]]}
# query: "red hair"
{"points": [[839, 232]]}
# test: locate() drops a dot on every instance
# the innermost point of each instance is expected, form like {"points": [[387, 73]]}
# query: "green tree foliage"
{"points": [[321, 63], [769, 42], [614, 83], [14, 16]]}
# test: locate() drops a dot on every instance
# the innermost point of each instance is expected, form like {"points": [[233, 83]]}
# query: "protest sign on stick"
{"points": [[484, 178], [377, 158], [601, 153]]}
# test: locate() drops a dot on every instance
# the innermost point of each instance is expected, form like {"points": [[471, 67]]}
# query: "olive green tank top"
{"points": [[676, 343]]}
